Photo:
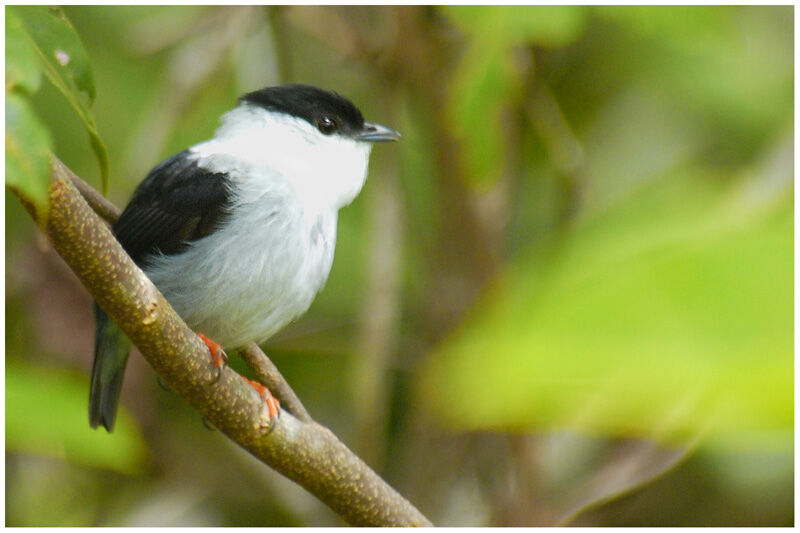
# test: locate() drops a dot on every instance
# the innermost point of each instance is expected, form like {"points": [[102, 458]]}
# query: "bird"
{"points": [[238, 232]]}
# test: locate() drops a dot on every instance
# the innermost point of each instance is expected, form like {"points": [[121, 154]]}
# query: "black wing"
{"points": [[178, 202]]}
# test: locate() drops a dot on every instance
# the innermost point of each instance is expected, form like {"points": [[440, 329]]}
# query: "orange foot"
{"points": [[218, 355], [273, 404]]}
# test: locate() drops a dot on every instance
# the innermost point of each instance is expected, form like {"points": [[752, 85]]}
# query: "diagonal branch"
{"points": [[265, 369], [304, 452]]}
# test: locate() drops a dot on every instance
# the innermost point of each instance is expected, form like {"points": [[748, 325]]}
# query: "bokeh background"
{"points": [[565, 297]]}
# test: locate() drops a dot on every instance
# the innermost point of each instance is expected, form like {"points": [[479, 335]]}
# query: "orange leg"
{"points": [[218, 355], [272, 402], [220, 359]]}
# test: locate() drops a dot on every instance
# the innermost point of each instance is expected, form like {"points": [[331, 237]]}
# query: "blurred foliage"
{"points": [[486, 78], [594, 232], [61, 402], [609, 330]]}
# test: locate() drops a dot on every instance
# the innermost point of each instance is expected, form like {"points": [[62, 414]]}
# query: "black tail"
{"points": [[111, 350]]}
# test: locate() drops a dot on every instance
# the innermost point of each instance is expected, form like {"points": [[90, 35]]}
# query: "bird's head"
{"points": [[313, 138]]}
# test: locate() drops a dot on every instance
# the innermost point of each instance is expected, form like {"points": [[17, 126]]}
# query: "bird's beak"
{"points": [[375, 133]]}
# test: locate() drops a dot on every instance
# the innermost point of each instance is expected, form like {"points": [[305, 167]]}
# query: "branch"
{"points": [[304, 452], [266, 371], [107, 211]]}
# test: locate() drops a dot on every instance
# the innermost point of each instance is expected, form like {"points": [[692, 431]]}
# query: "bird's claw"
{"points": [[218, 355], [273, 405], [220, 359]]}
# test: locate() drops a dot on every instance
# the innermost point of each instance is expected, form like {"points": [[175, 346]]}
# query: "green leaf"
{"points": [[59, 47], [28, 148], [66, 64], [667, 317], [46, 413], [23, 72]]}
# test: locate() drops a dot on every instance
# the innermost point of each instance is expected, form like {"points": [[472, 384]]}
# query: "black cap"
{"points": [[326, 110]]}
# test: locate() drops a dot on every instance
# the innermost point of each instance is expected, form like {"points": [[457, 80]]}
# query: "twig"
{"points": [[107, 211], [642, 464], [269, 375], [306, 453]]}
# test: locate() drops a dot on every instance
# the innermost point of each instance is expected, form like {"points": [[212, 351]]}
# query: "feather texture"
{"points": [[177, 203]]}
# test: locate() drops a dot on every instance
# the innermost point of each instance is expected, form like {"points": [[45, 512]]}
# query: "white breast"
{"points": [[262, 269], [259, 272]]}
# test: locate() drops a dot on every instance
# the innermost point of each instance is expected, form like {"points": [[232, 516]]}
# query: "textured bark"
{"points": [[303, 451]]}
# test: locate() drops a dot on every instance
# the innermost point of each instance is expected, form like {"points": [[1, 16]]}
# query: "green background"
{"points": [[565, 296]]}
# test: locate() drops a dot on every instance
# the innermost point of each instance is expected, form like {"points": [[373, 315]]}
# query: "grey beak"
{"points": [[375, 133]]}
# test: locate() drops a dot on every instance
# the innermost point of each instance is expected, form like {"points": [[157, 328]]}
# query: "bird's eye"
{"points": [[327, 125]]}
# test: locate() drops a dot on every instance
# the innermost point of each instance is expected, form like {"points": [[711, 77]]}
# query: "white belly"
{"points": [[250, 278]]}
